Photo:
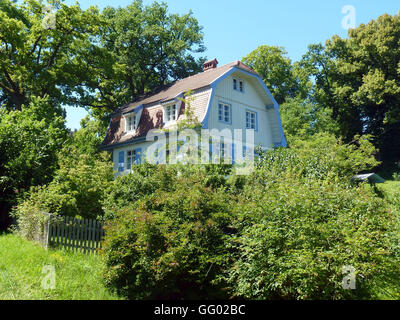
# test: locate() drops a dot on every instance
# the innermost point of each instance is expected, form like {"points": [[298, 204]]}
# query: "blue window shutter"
{"points": [[121, 161], [138, 158]]}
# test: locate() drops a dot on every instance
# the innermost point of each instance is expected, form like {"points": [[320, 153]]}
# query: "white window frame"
{"points": [[130, 158], [238, 85], [222, 108], [241, 85], [170, 113], [130, 122], [249, 123]]}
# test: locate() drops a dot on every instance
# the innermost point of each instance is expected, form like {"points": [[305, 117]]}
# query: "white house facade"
{"points": [[229, 98]]}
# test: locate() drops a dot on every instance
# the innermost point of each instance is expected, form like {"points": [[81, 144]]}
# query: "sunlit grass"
{"points": [[21, 264]]}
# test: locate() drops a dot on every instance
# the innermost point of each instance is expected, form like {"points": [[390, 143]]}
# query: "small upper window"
{"points": [[170, 113], [130, 122], [238, 85], [224, 112]]}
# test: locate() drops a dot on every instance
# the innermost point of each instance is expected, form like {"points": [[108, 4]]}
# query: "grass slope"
{"points": [[21, 265], [391, 189]]}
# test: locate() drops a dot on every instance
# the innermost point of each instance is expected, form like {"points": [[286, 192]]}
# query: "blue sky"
{"points": [[234, 28]]}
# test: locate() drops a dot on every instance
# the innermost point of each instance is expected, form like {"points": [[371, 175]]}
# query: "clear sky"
{"points": [[233, 28]]}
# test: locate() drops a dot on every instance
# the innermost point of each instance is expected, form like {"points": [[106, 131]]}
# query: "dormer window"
{"points": [[170, 113], [130, 122]]}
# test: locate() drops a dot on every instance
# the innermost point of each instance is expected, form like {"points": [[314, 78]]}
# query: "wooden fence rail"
{"points": [[83, 235]]}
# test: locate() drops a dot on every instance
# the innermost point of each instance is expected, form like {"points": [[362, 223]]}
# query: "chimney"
{"points": [[211, 64]]}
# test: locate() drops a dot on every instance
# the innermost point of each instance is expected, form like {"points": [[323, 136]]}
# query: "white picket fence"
{"points": [[83, 235]]}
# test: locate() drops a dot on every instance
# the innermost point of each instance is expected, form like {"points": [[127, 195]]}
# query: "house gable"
{"points": [[255, 98], [209, 87]]}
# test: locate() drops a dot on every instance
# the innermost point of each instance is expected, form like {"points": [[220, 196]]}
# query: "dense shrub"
{"points": [[283, 232], [171, 242], [143, 180], [147, 178], [29, 141], [79, 186], [295, 236]]}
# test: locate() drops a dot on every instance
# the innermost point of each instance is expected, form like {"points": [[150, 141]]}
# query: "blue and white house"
{"points": [[230, 97]]}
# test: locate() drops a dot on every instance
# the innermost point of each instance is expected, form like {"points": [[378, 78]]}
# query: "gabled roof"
{"points": [[176, 88], [152, 117]]}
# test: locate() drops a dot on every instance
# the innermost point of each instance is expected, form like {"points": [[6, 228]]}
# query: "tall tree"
{"points": [[30, 139], [44, 57], [359, 79], [277, 71], [149, 47]]}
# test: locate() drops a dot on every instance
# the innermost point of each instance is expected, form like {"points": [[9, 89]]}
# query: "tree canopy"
{"points": [[92, 59], [358, 78], [146, 47], [277, 71], [38, 61]]}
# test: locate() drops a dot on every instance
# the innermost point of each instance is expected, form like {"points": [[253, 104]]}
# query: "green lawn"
{"points": [[391, 188], [77, 276]]}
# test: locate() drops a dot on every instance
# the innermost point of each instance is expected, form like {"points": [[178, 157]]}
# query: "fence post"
{"points": [[46, 231]]}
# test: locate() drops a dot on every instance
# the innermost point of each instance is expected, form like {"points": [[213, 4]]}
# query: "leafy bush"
{"points": [[323, 153], [79, 186], [171, 242], [295, 236], [29, 141], [145, 179], [284, 232]]}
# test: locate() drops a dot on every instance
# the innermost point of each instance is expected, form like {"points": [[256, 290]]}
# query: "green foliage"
{"points": [[171, 242], [322, 155], [142, 48], [29, 142], [38, 61], [88, 139], [85, 178], [295, 235], [143, 180], [91, 59], [302, 118], [358, 79], [284, 232], [79, 185], [277, 71]]}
